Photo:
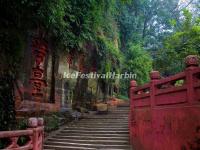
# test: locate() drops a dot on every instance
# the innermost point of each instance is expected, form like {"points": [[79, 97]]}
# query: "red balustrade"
{"points": [[165, 113], [35, 134]]}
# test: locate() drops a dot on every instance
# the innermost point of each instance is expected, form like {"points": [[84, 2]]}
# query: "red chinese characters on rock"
{"points": [[81, 60], [70, 58], [39, 50], [94, 66]]}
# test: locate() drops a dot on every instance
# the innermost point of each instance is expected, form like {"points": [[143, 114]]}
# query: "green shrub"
{"points": [[51, 122]]}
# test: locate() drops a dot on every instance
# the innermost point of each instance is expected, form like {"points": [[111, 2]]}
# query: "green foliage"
{"points": [[144, 24], [147, 21], [22, 124], [181, 43], [51, 122], [139, 62], [55, 119], [109, 54], [173, 22], [66, 25]]}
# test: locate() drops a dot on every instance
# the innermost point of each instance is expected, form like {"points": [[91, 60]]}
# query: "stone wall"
{"points": [[64, 87]]}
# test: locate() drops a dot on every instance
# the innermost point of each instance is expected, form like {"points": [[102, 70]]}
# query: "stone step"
{"points": [[123, 107], [58, 147], [108, 117], [123, 111], [88, 145], [94, 123], [112, 114], [93, 141], [95, 132], [106, 125], [102, 126], [105, 120], [119, 113], [77, 137], [127, 104], [119, 108], [78, 128], [46, 147]]}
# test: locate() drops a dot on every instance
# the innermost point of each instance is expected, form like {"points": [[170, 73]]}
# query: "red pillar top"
{"points": [[155, 75], [192, 61], [133, 83], [35, 122]]}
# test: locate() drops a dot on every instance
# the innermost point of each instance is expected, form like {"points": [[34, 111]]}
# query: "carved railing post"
{"points": [[155, 76], [133, 85], [192, 63], [38, 132], [32, 124]]}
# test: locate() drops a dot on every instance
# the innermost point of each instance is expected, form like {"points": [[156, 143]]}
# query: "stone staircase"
{"points": [[96, 132]]}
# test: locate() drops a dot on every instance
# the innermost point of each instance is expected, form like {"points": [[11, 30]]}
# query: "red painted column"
{"points": [[192, 63], [155, 76]]}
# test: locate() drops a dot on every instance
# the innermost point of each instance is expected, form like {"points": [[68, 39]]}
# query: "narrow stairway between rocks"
{"points": [[96, 132]]}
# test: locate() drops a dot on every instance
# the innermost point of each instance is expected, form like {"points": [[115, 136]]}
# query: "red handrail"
{"points": [[35, 132], [155, 107]]}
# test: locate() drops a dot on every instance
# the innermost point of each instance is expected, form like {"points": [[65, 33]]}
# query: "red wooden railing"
{"points": [[35, 134], [165, 113]]}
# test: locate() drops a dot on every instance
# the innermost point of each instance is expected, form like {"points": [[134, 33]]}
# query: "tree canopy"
{"points": [[185, 41]]}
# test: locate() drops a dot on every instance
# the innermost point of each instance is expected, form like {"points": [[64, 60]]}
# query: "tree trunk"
{"points": [[53, 63], [80, 95], [144, 28]]}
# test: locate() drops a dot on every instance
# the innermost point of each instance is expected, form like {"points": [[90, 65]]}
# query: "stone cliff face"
{"points": [[63, 86]]}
